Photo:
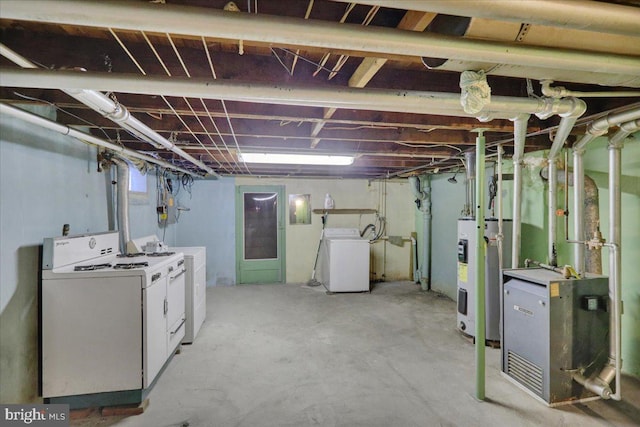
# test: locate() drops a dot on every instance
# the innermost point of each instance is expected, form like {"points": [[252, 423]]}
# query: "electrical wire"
{"points": [[224, 106], [184, 67], [133, 59]]}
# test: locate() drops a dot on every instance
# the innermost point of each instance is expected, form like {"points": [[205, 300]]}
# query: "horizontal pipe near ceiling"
{"points": [[577, 14], [420, 102], [34, 119], [207, 22], [114, 112]]}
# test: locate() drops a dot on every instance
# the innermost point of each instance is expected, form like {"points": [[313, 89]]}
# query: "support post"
{"points": [[480, 267]]}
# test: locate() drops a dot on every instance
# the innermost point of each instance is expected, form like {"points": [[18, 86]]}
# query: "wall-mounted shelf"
{"points": [[344, 211]]}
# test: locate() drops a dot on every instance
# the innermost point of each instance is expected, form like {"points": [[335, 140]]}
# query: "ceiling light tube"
{"points": [[295, 159]]}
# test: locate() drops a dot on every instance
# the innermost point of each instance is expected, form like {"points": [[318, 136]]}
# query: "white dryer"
{"points": [[344, 260]]}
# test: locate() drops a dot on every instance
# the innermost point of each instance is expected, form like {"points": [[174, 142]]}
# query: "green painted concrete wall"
{"points": [[448, 200]]}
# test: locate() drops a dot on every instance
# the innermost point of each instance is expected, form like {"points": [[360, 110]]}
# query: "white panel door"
{"points": [[91, 335], [155, 328]]}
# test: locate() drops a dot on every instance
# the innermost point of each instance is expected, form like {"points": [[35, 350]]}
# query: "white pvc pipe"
{"points": [[564, 129], [551, 213], [578, 211], [122, 188], [600, 126], [615, 258], [114, 112], [207, 22], [421, 102], [596, 128], [613, 368], [85, 137], [519, 137], [576, 14], [615, 232]]}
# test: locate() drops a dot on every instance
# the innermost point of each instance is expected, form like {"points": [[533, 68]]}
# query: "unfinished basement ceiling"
{"points": [[262, 43]]}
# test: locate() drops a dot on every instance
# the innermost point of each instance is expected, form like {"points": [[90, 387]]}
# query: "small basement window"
{"points": [[137, 185]]}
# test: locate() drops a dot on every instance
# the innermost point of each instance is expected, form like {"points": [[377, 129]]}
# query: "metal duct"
{"points": [[593, 260], [421, 102], [591, 213], [114, 112], [85, 137], [122, 182], [541, 62], [577, 14]]}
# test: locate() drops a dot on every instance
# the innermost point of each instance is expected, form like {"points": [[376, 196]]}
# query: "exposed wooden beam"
{"points": [[413, 21]]}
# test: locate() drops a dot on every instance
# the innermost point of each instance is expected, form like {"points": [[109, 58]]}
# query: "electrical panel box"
{"points": [[167, 213], [552, 327]]}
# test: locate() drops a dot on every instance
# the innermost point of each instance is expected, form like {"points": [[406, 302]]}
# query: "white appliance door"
{"points": [[91, 335], [348, 265], [155, 329], [176, 308]]}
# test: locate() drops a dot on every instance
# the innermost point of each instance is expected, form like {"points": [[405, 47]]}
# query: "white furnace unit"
{"points": [[344, 260]]}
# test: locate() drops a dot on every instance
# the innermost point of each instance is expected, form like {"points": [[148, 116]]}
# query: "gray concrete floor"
{"points": [[288, 355]]}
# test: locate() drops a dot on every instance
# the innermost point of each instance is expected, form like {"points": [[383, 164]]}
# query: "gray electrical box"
{"points": [[466, 317], [553, 326]]}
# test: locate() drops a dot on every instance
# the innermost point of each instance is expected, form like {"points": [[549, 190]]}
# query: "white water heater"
{"points": [[467, 270]]}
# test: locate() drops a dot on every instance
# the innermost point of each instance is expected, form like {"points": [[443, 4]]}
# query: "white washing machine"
{"points": [[344, 260]]}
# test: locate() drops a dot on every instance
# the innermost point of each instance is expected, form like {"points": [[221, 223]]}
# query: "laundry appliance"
{"points": [[344, 260]]}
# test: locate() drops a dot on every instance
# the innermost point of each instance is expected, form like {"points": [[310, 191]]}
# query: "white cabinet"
{"points": [[344, 260], [155, 327], [91, 335], [195, 261], [175, 307], [164, 318]]}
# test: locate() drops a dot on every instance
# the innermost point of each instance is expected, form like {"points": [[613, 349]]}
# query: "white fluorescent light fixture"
{"points": [[296, 159]]}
